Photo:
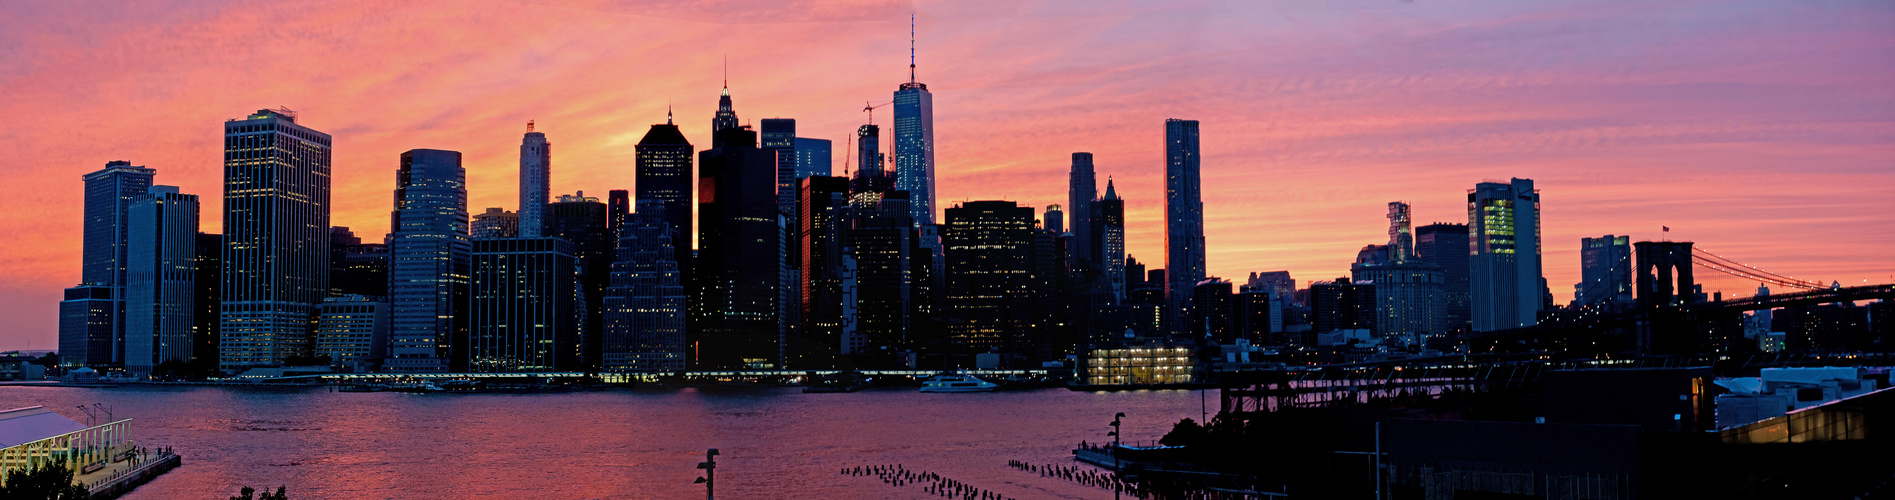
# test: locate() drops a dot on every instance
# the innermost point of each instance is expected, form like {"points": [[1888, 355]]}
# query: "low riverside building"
{"points": [[1151, 363]]}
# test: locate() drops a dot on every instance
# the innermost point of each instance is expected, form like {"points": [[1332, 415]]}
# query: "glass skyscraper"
{"points": [[1184, 221], [161, 276], [779, 138], [1605, 271], [1445, 244], [427, 262], [812, 157], [276, 237], [1503, 224], [92, 323], [914, 147], [523, 306]]}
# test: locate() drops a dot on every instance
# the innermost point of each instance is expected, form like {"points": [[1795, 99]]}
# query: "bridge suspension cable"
{"points": [[1719, 263]]}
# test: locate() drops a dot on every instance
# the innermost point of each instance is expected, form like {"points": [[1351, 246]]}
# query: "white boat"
{"points": [[949, 382]]}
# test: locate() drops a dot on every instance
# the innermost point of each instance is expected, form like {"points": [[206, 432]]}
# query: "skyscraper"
{"points": [[726, 117], [779, 138], [160, 278], [94, 313], [276, 237], [1605, 271], [990, 261], [1109, 212], [207, 286], [914, 141], [582, 221], [536, 182], [645, 304], [1082, 188], [812, 157], [824, 201], [738, 273], [1503, 222], [1445, 245], [1184, 220], [428, 263], [1054, 219], [523, 306], [664, 175]]}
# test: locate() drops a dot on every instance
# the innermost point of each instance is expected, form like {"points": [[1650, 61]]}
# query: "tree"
{"points": [[1186, 432], [51, 481], [247, 491]]}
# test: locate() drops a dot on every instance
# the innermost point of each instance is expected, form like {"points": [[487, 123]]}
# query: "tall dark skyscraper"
{"points": [[1082, 189], [204, 323], [645, 304], [813, 157], [582, 221], [1184, 220], [738, 272], [779, 138], [92, 319], [914, 141], [1503, 224], [276, 237], [990, 268], [1109, 214], [536, 182], [160, 278], [664, 175], [1445, 244], [428, 263], [523, 307], [1605, 271], [823, 201]]}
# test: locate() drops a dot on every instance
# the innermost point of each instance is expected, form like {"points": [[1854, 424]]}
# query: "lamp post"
{"points": [[1115, 452], [710, 474]]}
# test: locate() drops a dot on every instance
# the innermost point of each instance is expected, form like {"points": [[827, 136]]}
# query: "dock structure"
{"points": [[103, 458]]}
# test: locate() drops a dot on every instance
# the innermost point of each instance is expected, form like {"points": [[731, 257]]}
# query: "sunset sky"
{"points": [[1763, 131]]}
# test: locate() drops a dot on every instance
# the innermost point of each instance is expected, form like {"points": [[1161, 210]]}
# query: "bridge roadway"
{"points": [[1255, 389], [1586, 329]]}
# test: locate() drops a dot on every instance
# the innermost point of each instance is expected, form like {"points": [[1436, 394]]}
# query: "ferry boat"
{"points": [[951, 382]]}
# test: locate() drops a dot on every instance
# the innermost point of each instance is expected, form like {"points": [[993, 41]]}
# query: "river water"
{"points": [[645, 443]]}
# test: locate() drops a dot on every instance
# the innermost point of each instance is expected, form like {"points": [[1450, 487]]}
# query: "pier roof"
{"points": [[33, 423]]}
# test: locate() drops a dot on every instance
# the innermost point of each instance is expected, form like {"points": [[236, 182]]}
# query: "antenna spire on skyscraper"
{"points": [[667, 111], [911, 47], [726, 74]]}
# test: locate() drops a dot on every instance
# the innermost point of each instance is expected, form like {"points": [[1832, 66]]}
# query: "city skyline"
{"points": [[1267, 207]]}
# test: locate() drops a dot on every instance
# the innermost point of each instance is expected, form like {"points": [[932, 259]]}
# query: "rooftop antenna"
{"points": [[667, 111], [911, 47], [726, 74], [529, 125]]}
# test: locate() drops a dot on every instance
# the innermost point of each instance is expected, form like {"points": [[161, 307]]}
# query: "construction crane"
{"points": [[870, 109]]}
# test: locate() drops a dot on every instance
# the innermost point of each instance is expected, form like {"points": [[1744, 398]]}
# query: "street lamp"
{"points": [[1115, 452], [710, 474]]}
